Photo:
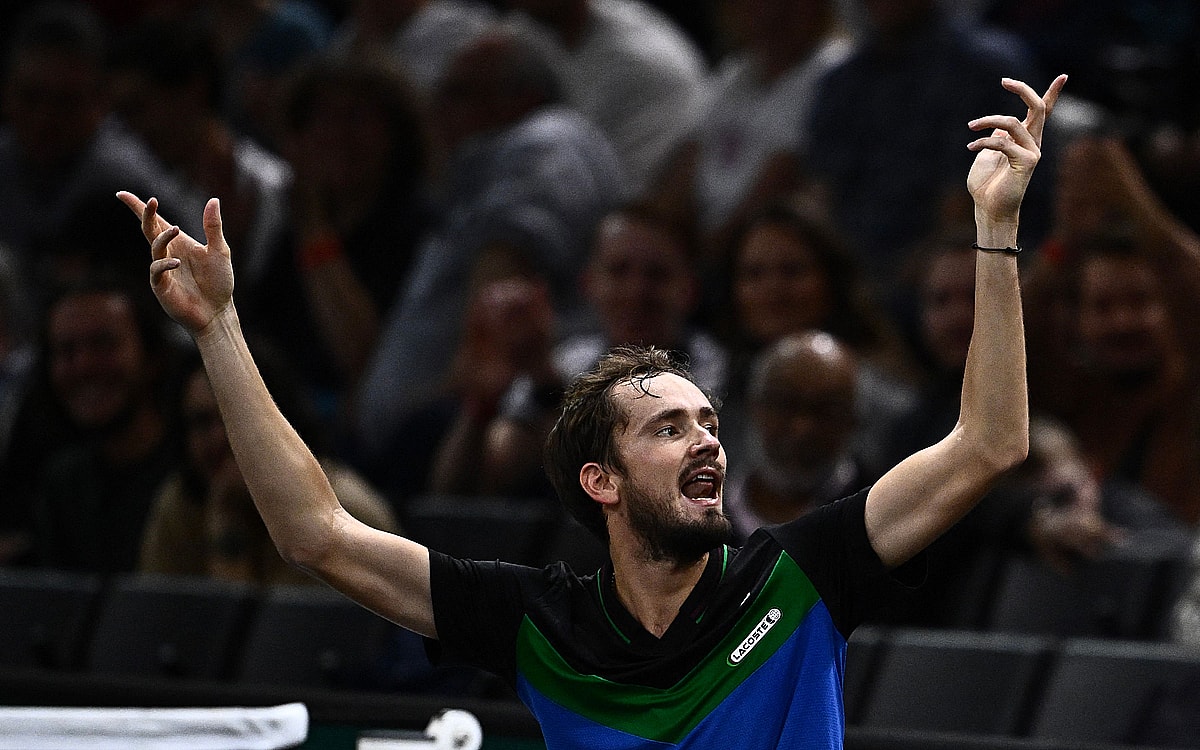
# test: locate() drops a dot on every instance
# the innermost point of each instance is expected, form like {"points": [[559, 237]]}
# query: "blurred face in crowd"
{"points": [[802, 402], [1124, 324], [53, 101], [99, 367], [640, 283], [207, 445], [780, 24], [472, 97], [948, 307], [345, 145], [779, 285], [161, 115]]}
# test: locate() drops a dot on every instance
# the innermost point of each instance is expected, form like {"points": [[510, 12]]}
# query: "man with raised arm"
{"points": [[681, 640]]}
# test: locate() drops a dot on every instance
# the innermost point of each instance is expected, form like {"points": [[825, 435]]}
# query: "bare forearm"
{"points": [[995, 410], [289, 488]]}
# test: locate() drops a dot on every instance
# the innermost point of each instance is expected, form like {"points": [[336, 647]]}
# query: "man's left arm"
{"points": [[926, 493]]}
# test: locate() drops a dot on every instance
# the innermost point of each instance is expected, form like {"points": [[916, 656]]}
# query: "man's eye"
{"points": [[668, 431], [712, 428]]}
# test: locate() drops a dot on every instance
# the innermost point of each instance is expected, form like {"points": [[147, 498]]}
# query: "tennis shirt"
{"points": [[754, 659]]}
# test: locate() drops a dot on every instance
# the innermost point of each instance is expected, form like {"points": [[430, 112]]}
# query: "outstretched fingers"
{"points": [[160, 267], [158, 246], [147, 211], [1009, 137], [214, 233]]}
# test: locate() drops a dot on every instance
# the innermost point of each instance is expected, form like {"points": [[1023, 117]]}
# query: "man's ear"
{"points": [[599, 482]]}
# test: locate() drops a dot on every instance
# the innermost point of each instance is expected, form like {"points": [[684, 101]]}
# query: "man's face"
{"points": [[639, 283], [804, 409], [98, 365], [1123, 320], [779, 287], [674, 469]]}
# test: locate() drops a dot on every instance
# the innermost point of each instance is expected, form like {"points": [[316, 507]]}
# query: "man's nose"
{"points": [[705, 442]]}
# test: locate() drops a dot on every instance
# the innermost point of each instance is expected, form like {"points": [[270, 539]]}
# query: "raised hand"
{"points": [[192, 281], [1005, 162]]}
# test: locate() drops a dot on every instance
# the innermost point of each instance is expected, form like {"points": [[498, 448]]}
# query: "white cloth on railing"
{"points": [[44, 728]]}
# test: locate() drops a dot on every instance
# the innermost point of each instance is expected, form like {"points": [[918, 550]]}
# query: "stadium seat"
{"points": [[955, 681], [1115, 596], [314, 637], [43, 616], [518, 530], [168, 626], [1102, 690]]}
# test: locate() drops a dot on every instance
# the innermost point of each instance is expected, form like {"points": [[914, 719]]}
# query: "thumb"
{"points": [[213, 233]]}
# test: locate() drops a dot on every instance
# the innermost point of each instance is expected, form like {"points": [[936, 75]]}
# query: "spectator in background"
{"points": [[492, 447], [625, 66], [642, 285], [171, 96], [262, 43], [1054, 507], [526, 182], [1119, 291], [356, 137], [110, 369], [799, 454], [883, 212], [642, 282], [749, 145], [793, 273], [63, 156], [421, 36], [203, 521]]}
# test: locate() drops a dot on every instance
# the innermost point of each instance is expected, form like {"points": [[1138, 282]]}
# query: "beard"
{"points": [[669, 538]]}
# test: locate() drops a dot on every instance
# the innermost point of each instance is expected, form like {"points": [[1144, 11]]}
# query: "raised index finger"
{"points": [[152, 224]]}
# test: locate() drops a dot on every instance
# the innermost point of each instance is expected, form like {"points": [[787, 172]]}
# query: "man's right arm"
{"points": [[383, 572]]}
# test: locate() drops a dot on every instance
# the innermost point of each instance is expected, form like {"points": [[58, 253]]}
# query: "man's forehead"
{"points": [[641, 398]]}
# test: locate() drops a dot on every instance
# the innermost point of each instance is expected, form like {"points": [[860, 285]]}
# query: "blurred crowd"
{"points": [[441, 210]]}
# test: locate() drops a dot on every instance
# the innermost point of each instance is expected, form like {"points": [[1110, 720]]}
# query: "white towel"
{"points": [[36, 728]]}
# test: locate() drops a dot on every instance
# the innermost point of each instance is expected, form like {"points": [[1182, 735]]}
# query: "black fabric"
{"points": [[479, 606]]}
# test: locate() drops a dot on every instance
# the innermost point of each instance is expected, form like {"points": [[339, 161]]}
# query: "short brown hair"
{"points": [[587, 425]]}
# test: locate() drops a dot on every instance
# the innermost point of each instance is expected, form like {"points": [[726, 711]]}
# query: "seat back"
{"points": [[956, 681], [518, 530], [1101, 690], [43, 616], [1119, 595], [169, 626], [314, 637]]}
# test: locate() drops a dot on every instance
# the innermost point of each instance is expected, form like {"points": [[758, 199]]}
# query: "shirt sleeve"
{"points": [[478, 608], [830, 545]]}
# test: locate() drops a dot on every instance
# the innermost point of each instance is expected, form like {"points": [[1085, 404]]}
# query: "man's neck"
{"points": [[654, 590]]}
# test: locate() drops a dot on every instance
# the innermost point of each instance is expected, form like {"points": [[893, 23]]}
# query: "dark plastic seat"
{"points": [[169, 626], [1102, 690], [955, 681], [1116, 596], [43, 617], [862, 659], [518, 530], [312, 636]]}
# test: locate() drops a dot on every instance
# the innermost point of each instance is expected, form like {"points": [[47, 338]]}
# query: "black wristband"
{"points": [[1006, 250]]}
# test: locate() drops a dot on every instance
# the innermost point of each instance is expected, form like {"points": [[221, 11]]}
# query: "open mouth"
{"points": [[703, 486]]}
